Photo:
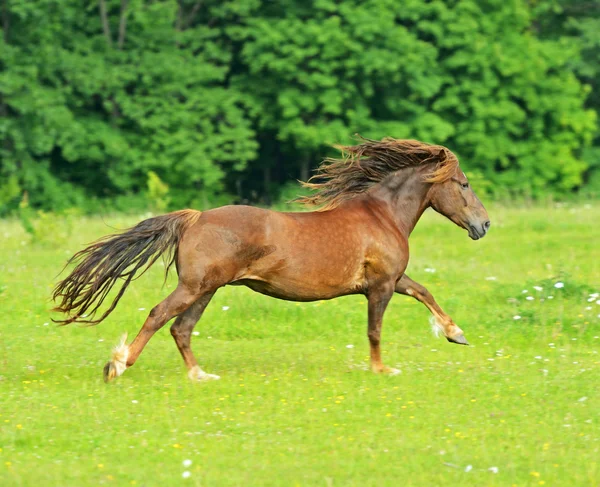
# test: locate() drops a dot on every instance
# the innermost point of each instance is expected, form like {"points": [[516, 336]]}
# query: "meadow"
{"points": [[296, 404]]}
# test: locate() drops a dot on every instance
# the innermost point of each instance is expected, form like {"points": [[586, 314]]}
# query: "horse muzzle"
{"points": [[478, 230]]}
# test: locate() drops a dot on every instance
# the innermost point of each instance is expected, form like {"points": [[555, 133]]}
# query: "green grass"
{"points": [[295, 405]]}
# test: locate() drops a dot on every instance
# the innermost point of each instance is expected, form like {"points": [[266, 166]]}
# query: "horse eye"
{"points": [[464, 185]]}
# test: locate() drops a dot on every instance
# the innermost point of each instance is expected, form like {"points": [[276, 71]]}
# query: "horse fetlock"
{"points": [[437, 328], [118, 362]]}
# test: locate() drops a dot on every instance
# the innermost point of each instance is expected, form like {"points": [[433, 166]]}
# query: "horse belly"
{"points": [[294, 291], [305, 281]]}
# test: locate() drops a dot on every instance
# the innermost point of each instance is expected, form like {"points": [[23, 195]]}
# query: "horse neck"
{"points": [[405, 195]]}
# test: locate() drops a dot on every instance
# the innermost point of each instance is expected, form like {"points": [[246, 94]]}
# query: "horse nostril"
{"points": [[486, 225]]}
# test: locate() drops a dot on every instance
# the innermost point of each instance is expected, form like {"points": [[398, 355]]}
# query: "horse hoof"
{"points": [[198, 375], [109, 372], [460, 339], [385, 370], [118, 362], [391, 371]]}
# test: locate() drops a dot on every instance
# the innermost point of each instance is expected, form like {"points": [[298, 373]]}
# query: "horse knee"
{"points": [[176, 331], [374, 337]]}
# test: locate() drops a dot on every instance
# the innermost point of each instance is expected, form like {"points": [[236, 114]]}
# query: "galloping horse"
{"points": [[355, 243]]}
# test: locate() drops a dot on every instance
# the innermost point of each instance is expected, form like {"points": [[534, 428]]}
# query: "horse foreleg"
{"points": [[378, 299], [441, 321], [182, 333], [124, 356]]}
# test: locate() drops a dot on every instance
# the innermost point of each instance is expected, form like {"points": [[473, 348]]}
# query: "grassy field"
{"points": [[295, 404]]}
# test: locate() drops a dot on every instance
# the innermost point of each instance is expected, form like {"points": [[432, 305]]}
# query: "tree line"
{"points": [[104, 101]]}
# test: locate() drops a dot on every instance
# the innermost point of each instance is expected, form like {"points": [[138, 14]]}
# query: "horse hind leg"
{"points": [[124, 356], [182, 334]]}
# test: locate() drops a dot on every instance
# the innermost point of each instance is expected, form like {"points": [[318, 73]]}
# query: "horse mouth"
{"points": [[476, 234]]}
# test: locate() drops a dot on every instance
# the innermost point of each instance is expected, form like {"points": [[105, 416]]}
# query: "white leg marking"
{"points": [[120, 355], [436, 327], [197, 374]]}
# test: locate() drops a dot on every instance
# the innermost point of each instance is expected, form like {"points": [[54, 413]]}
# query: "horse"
{"points": [[354, 242]]}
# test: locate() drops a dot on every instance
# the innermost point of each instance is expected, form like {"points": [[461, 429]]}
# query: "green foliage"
{"points": [[578, 24], [158, 192], [47, 228], [9, 192], [231, 99]]}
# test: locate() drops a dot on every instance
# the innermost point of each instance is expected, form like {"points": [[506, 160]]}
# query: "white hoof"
{"points": [[118, 362], [197, 374]]}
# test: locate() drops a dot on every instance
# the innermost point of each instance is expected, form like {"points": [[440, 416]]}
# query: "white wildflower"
{"points": [[187, 463], [559, 285], [225, 308], [516, 317]]}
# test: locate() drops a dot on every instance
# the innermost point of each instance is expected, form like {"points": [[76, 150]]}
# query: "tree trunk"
{"points": [[305, 168], [179, 20], [105, 24], [5, 29], [5, 20], [267, 184], [238, 188], [122, 24]]}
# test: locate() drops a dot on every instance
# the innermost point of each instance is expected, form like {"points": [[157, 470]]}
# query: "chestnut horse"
{"points": [[356, 243]]}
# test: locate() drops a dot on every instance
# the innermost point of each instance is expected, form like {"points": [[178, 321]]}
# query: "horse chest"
{"points": [[386, 260]]}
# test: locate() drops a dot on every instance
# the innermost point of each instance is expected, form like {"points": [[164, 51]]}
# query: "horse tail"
{"points": [[118, 256]]}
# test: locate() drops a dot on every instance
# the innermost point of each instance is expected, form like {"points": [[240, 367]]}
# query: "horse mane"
{"points": [[370, 162]]}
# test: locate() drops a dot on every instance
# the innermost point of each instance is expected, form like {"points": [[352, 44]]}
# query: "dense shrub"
{"points": [[228, 100]]}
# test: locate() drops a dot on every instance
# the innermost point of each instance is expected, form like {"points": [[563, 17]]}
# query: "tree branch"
{"points": [[585, 7], [122, 24], [105, 25], [193, 13]]}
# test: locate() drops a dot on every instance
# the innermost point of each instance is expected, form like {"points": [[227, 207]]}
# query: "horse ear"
{"points": [[441, 153]]}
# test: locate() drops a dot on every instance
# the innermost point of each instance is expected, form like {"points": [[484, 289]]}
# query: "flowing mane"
{"points": [[369, 163]]}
